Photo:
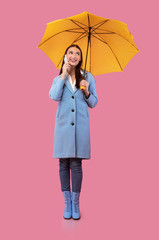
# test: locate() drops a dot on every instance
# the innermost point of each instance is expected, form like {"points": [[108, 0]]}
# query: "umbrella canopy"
{"points": [[106, 44]]}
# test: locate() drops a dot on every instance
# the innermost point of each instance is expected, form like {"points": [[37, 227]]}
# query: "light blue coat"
{"points": [[72, 128]]}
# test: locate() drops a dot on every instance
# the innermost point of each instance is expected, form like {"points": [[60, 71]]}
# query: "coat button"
{"points": [[72, 96], [72, 123], [73, 110]]}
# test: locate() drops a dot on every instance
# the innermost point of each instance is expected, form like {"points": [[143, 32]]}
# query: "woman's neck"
{"points": [[72, 72]]}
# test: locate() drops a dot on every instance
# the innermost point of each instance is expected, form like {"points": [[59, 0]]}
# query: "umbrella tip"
{"points": [[86, 12]]}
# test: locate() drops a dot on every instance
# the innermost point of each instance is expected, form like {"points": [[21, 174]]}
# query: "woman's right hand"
{"points": [[65, 69]]}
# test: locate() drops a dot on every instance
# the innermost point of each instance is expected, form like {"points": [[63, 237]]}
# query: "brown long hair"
{"points": [[78, 74]]}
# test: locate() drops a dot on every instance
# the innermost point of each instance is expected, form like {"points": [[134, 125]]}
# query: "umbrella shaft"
{"points": [[89, 37], [89, 34]]}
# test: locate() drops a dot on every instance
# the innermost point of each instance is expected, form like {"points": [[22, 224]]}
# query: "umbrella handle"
{"points": [[84, 74], [82, 88]]}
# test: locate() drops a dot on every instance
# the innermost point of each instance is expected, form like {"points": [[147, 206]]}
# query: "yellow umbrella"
{"points": [[106, 44]]}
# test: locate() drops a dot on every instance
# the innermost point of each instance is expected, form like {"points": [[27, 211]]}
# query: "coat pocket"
{"points": [[63, 110], [82, 110]]}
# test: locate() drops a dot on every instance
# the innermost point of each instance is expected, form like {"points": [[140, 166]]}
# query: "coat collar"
{"points": [[68, 85]]}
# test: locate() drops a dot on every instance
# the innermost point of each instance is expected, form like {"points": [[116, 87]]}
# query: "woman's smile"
{"points": [[73, 60], [73, 56]]}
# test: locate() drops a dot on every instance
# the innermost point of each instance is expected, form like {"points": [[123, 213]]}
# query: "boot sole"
{"points": [[67, 218], [76, 218]]}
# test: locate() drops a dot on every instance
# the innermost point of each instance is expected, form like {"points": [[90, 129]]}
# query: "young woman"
{"points": [[72, 129]]}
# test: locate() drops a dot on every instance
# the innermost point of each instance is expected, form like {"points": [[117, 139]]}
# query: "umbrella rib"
{"points": [[78, 25], [101, 23], [99, 38], [120, 36], [90, 56], [67, 30], [109, 47], [107, 33], [75, 21], [73, 31], [89, 37], [104, 30], [88, 20], [89, 42], [79, 38]]}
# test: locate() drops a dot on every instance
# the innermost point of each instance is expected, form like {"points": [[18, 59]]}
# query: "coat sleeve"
{"points": [[93, 99], [56, 90]]}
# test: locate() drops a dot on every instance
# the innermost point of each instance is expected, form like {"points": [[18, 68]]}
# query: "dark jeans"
{"points": [[75, 165]]}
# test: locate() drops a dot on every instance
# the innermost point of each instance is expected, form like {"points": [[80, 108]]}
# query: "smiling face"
{"points": [[73, 56]]}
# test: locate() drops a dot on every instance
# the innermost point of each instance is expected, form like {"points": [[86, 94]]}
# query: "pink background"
{"points": [[119, 198]]}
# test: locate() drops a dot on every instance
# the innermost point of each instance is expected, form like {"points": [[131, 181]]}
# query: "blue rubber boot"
{"points": [[75, 206], [67, 210]]}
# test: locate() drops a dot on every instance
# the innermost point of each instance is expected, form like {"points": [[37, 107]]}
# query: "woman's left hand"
{"points": [[86, 84]]}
